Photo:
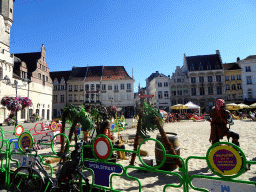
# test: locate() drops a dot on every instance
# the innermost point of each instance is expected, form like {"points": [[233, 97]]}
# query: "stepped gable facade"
{"points": [[33, 66]]}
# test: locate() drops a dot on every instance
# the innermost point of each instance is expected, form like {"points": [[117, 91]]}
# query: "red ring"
{"points": [[16, 130], [108, 145]]}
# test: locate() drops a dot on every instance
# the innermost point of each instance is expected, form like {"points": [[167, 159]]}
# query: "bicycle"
{"points": [[69, 176]]}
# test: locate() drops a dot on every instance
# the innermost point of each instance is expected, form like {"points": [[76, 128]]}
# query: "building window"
{"points": [[97, 97], [75, 99], [193, 91], [97, 87], [55, 98], [247, 69], [86, 87], [249, 80], [165, 84], [103, 86], [92, 97], [55, 87], [173, 93], [122, 86], [128, 85], [228, 98], [70, 98], [159, 84], [233, 87], [173, 102], [178, 80], [75, 87], [62, 98], [166, 94], [81, 97], [209, 66], [233, 96], [22, 114], [70, 88], [109, 87], [201, 90], [81, 87], [160, 96], [249, 94], [238, 77], [115, 87], [1, 73], [179, 92], [193, 79], [201, 79], [239, 86], [129, 97], [209, 79], [92, 87], [233, 77], [227, 87], [210, 90], [87, 97], [39, 75], [62, 87], [226, 78], [200, 68], [240, 96], [218, 78], [219, 90]]}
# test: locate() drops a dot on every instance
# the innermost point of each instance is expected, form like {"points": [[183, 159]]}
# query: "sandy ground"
{"points": [[193, 138]]}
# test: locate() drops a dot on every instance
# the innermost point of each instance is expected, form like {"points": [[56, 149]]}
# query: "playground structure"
{"points": [[223, 151]]}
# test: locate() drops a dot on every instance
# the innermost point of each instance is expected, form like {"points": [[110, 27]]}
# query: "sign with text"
{"points": [[102, 172], [25, 141], [225, 160]]}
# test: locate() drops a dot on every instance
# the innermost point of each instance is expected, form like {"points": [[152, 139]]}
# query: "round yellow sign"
{"points": [[225, 160]]}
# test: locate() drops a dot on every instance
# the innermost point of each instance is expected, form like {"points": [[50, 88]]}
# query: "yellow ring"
{"points": [[31, 141], [233, 171]]}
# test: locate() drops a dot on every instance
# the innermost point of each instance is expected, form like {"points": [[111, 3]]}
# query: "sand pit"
{"points": [[193, 140]]}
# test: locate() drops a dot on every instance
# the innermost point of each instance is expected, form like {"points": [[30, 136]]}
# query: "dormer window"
{"points": [[217, 66], [200, 67], [192, 67], [209, 66]]}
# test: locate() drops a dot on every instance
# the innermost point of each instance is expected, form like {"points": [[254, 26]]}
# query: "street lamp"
{"points": [[15, 85]]}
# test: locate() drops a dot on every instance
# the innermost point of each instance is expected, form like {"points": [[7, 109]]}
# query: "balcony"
{"points": [[129, 90], [75, 90]]}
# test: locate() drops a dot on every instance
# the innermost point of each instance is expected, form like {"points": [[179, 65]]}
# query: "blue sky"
{"points": [[143, 35]]}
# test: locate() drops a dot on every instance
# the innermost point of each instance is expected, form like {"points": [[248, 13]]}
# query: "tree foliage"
{"points": [[148, 124]]}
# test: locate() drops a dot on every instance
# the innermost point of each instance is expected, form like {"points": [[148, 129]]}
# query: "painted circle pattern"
{"points": [[225, 160], [102, 148]]}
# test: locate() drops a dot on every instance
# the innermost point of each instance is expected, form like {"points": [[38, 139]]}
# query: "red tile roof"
{"points": [[94, 73], [115, 73]]}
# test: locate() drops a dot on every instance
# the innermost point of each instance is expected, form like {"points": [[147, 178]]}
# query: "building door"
{"points": [[42, 113], [37, 112], [30, 112], [48, 114]]}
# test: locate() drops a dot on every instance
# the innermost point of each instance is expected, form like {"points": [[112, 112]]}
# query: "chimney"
{"points": [[218, 52], [157, 73], [238, 59]]}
